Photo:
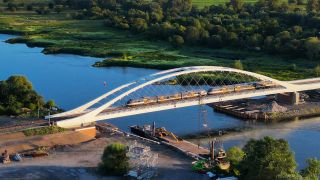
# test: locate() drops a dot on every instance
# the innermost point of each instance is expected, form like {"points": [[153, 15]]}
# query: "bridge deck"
{"points": [[305, 81]]}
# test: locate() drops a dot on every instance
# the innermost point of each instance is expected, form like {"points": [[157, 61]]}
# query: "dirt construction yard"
{"points": [[79, 162]]}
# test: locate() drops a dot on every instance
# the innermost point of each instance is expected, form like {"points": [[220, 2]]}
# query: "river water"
{"points": [[71, 81]]}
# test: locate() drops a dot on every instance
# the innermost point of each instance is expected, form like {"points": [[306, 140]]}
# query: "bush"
{"points": [[317, 70], [176, 40], [114, 160], [313, 169], [238, 64]]}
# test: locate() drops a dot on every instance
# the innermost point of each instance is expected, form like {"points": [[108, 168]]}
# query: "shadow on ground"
{"points": [[80, 173]]}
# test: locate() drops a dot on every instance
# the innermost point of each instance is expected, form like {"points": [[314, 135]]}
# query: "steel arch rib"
{"points": [[176, 72]]}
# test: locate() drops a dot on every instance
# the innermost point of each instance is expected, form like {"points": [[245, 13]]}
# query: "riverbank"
{"points": [[58, 33]]}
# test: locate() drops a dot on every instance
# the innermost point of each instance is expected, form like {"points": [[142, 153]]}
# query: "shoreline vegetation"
{"points": [[159, 55], [61, 32], [18, 98]]}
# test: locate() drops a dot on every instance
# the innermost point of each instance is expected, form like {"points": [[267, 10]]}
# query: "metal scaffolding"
{"points": [[142, 160]]}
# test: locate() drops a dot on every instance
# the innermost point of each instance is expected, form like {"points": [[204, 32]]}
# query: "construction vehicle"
{"points": [[162, 132], [151, 132]]}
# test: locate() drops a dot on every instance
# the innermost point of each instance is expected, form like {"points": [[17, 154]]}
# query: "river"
{"points": [[71, 81]]}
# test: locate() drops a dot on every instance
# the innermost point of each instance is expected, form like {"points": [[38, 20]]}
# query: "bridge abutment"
{"points": [[291, 98]]}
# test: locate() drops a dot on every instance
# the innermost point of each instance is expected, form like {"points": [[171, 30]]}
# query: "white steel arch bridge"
{"points": [[177, 88]]}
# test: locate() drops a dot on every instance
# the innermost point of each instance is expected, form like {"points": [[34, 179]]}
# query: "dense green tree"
{"points": [[178, 6], [284, 36], [17, 93], [192, 34], [268, 25], [312, 171], [284, 7], [237, 5], [255, 40], [114, 160], [231, 38], [139, 24], [273, 4], [271, 27], [235, 155], [297, 30], [313, 5], [50, 104], [313, 48], [176, 40], [268, 158], [107, 4]]}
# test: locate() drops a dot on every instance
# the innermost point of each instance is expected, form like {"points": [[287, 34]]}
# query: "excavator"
{"points": [[162, 132]]}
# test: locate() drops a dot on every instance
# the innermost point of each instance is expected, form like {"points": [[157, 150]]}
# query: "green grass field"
{"points": [[61, 34]]}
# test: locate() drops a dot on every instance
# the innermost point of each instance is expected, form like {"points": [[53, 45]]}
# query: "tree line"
{"points": [[273, 26]]}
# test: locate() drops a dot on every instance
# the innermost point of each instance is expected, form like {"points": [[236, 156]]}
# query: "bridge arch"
{"points": [[157, 77]]}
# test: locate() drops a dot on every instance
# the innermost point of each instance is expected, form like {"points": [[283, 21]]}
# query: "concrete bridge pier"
{"points": [[291, 98]]}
